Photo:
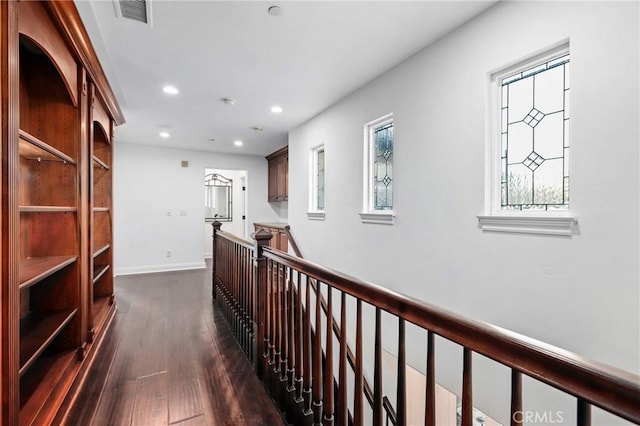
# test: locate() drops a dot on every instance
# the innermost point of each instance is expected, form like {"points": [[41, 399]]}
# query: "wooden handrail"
{"points": [[258, 289], [236, 239], [613, 390], [292, 241]]}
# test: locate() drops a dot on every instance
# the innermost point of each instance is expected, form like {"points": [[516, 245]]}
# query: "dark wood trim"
{"points": [[430, 394], [9, 269], [67, 18], [279, 152], [93, 347]]}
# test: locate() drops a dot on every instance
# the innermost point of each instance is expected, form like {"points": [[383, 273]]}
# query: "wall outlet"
{"points": [[169, 213], [169, 253]]}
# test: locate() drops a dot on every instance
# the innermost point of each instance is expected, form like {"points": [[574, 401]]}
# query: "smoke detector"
{"points": [[275, 11], [228, 101]]}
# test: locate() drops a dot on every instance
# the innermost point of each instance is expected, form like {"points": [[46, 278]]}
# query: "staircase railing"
{"points": [[275, 313], [368, 391]]}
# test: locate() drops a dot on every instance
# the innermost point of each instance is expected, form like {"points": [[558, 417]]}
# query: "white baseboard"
{"points": [[148, 269]]}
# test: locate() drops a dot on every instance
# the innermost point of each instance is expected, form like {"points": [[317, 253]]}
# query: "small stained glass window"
{"points": [[319, 179], [534, 153], [383, 167]]}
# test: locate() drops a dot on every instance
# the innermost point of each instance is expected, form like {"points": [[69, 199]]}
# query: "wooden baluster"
{"points": [[317, 362], [240, 311], [308, 362], [272, 312], [343, 408], [284, 337], [249, 295], [291, 316], [261, 285], [267, 332], [377, 373], [328, 367], [516, 398], [430, 402], [277, 325], [299, 370], [239, 308], [401, 402], [584, 413], [245, 300], [467, 389], [358, 413], [214, 259], [233, 317]]}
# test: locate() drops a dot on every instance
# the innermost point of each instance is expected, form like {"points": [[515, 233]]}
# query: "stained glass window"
{"points": [[319, 165], [383, 167], [535, 137]]}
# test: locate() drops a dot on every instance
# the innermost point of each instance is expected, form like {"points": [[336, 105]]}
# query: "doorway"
{"points": [[236, 223]]}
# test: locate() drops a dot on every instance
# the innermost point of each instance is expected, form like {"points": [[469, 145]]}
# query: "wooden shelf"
{"points": [[37, 331], [101, 209], [99, 163], [34, 149], [99, 271], [47, 209], [35, 269], [43, 378], [101, 250], [99, 303]]}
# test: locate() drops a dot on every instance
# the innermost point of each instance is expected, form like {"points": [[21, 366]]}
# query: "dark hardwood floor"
{"points": [[170, 358]]}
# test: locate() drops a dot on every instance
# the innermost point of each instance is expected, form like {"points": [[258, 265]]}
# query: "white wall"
{"points": [[580, 293], [149, 182]]}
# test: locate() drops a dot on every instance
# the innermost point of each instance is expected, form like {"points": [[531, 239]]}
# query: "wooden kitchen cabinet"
{"points": [[278, 175]]}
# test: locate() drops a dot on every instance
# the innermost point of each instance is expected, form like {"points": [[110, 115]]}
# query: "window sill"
{"points": [[317, 215], [382, 218], [541, 225]]}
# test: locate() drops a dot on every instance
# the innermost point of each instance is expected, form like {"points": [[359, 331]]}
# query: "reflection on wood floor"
{"points": [[169, 358]]}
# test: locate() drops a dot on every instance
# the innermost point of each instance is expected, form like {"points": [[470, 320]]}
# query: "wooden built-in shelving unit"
{"points": [[57, 272]]}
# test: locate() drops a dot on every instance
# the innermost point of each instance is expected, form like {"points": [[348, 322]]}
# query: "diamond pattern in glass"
{"points": [[534, 117], [533, 161]]}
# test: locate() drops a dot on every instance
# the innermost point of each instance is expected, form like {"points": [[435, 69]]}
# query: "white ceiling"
{"points": [[305, 60]]}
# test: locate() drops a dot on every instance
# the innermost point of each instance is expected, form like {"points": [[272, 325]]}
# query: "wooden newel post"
{"points": [[216, 227], [262, 239]]}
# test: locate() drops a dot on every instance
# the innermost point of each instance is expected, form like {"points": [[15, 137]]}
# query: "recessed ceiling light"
{"points": [[276, 109], [170, 90], [164, 135], [238, 143], [275, 11]]}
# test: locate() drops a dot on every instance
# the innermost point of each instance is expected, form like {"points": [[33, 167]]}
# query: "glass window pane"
{"points": [[383, 167], [520, 99], [519, 185], [548, 182], [548, 136], [535, 133], [549, 90]]}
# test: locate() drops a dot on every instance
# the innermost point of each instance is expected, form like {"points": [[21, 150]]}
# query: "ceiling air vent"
{"points": [[138, 10]]}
